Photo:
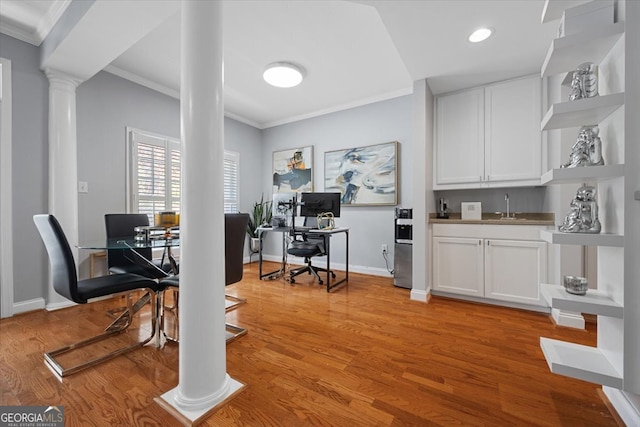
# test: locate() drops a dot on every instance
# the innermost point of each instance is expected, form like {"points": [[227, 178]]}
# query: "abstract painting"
{"points": [[363, 175], [292, 170]]}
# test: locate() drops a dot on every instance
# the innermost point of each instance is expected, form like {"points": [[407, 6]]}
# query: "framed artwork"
{"points": [[292, 170], [364, 176]]}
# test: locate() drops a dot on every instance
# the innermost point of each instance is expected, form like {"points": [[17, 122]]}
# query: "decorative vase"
{"points": [[255, 245]]}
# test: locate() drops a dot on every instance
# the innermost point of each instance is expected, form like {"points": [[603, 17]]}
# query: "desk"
{"points": [[325, 234]]}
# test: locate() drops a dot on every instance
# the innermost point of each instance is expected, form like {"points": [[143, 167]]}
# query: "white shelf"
{"points": [[566, 53], [553, 9], [582, 174], [580, 361], [594, 302], [582, 112], [584, 239]]}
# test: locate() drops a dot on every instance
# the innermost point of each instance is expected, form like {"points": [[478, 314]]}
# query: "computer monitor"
{"points": [[312, 204], [282, 207]]}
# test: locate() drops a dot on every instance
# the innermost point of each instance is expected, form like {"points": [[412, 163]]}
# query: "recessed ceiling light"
{"points": [[480, 35], [283, 74]]}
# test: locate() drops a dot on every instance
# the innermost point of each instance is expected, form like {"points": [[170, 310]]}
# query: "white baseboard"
{"points": [[29, 305], [481, 300], [373, 271], [627, 405], [419, 295], [568, 319], [59, 305]]}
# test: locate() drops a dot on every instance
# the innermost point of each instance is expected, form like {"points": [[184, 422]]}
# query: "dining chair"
{"points": [[66, 283], [126, 261], [235, 226]]}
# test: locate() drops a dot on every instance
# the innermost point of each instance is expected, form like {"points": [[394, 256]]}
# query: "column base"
{"points": [[568, 319], [196, 417]]}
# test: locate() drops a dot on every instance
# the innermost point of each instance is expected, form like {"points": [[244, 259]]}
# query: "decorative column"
{"points": [[203, 380], [63, 164]]}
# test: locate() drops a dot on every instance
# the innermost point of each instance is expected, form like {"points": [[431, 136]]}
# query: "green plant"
{"points": [[260, 215]]}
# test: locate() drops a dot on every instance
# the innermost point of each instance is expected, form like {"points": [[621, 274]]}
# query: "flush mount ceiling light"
{"points": [[283, 74], [480, 35]]}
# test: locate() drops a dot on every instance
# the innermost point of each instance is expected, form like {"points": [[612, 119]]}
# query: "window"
{"points": [[154, 179]]}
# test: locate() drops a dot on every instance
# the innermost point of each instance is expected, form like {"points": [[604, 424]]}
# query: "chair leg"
{"points": [[310, 269], [232, 332], [118, 326]]}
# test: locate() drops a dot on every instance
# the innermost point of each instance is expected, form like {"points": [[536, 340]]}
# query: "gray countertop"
{"points": [[523, 218]]}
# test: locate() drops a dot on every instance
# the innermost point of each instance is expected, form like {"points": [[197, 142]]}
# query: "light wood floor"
{"points": [[364, 355]]}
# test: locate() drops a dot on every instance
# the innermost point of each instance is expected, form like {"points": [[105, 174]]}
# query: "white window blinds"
{"points": [[154, 176], [231, 173]]}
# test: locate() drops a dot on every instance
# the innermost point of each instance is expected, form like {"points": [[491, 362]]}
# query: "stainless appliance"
{"points": [[403, 251], [443, 208]]}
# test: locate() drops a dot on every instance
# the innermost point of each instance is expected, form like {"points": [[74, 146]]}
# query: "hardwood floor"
{"points": [[364, 355]]}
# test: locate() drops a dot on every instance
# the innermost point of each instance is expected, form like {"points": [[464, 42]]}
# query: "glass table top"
{"points": [[129, 243]]}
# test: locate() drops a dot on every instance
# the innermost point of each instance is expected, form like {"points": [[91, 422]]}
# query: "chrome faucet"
{"points": [[506, 198]]}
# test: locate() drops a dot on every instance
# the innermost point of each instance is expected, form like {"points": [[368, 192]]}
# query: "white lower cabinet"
{"points": [[487, 266], [514, 269], [458, 265]]}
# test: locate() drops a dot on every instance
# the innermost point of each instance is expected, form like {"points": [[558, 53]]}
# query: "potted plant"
{"points": [[260, 215]]}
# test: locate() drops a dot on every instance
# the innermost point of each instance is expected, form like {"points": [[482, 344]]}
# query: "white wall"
{"points": [[376, 123]]}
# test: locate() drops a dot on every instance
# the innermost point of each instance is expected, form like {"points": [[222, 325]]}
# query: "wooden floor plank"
{"points": [[364, 355]]}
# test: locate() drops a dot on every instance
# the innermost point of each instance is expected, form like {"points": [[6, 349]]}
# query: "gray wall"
{"points": [[376, 123], [106, 105], [30, 152]]}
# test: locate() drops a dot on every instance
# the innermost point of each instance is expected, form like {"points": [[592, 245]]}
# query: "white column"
{"points": [[63, 164], [203, 380]]}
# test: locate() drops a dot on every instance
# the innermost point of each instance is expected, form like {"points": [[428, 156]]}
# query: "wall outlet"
{"points": [[384, 249]]}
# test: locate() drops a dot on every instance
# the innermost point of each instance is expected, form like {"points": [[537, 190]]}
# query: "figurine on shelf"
{"points": [[583, 216], [585, 82], [587, 150]]}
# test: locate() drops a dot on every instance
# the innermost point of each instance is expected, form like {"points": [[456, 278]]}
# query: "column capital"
{"points": [[62, 79]]}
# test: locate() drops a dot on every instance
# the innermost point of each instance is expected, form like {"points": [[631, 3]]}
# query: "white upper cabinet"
{"points": [[489, 136], [459, 155], [513, 149]]}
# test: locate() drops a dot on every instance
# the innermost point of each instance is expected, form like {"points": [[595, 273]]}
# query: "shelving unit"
{"points": [[582, 174], [584, 239], [587, 111], [566, 53], [580, 361], [553, 9], [594, 302]]}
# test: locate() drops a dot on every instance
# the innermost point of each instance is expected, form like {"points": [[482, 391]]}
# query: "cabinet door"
{"points": [[458, 266], [459, 156], [514, 270], [513, 140]]}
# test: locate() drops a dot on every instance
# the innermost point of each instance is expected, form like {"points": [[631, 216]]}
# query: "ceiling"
{"points": [[354, 52]]}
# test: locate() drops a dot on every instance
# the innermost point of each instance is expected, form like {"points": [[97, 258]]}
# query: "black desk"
{"points": [[325, 234]]}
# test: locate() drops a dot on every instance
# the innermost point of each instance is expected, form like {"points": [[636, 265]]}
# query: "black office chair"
{"points": [[126, 261], [307, 245], [66, 283], [235, 226]]}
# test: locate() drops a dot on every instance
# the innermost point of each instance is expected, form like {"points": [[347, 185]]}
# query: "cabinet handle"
{"points": [[479, 242], [488, 242]]}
